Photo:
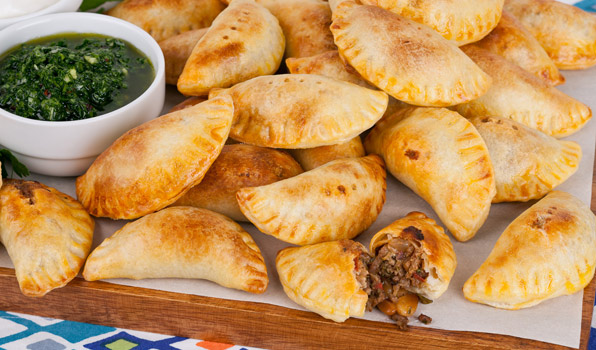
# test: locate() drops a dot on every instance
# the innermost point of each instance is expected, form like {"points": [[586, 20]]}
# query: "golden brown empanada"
{"points": [[439, 155], [408, 60], [189, 102], [567, 33], [244, 41], [549, 250], [527, 163], [301, 110], [517, 94], [152, 165], [165, 18], [513, 41], [327, 278], [236, 167], [181, 242], [47, 235], [177, 50], [310, 158], [337, 200]]}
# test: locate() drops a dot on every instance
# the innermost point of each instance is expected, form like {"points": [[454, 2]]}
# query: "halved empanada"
{"points": [[177, 50], [408, 60], [549, 250], [165, 18], [181, 242], [47, 235], [567, 33], [236, 167], [337, 200], [439, 155], [310, 158], [244, 41], [517, 94], [301, 110], [460, 21], [152, 165], [527, 163], [327, 278]]}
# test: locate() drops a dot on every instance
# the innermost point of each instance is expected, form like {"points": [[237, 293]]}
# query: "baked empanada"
{"points": [[337, 200], [301, 110], [547, 251], [165, 18], [527, 163], [189, 102], [310, 158], [439, 155], [327, 278], [152, 165], [460, 21], [517, 94], [47, 235], [177, 50], [408, 60], [513, 41], [567, 33], [181, 242], [236, 167]]}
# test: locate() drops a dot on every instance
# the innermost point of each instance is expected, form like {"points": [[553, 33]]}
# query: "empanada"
{"points": [[310, 158], [152, 165], [301, 110], [567, 33], [439, 155], [460, 21], [337, 200], [165, 18], [513, 41], [244, 41], [176, 51], [527, 163], [517, 94], [327, 278], [547, 251], [189, 102], [236, 167], [408, 60], [47, 235], [181, 242]]}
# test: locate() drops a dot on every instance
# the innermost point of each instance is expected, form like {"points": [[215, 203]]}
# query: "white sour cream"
{"points": [[16, 8]]}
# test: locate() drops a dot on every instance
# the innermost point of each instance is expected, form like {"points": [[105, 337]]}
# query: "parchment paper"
{"points": [[555, 321]]}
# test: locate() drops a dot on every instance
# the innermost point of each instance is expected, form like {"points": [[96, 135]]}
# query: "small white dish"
{"points": [[68, 148], [60, 6]]}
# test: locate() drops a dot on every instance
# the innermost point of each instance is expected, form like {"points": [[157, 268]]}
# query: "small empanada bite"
{"points": [[527, 163], [517, 94], [337, 200], [244, 41], [310, 158], [238, 166], [165, 18], [327, 278], [301, 110], [439, 155], [567, 33], [460, 21], [152, 165], [47, 235], [408, 60], [181, 242], [176, 51], [547, 251]]}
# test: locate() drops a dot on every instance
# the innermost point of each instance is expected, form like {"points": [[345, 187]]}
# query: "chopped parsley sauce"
{"points": [[72, 76]]}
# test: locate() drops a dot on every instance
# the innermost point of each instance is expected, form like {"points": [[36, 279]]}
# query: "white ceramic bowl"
{"points": [[60, 6], [68, 148]]}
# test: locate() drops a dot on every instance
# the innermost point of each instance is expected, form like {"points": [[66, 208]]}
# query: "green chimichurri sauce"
{"points": [[72, 76]]}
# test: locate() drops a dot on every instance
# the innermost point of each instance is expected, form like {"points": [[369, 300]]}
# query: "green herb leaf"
{"points": [[91, 4], [6, 157]]}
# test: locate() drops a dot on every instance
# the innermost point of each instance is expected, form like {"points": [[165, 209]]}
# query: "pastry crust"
{"points": [[301, 110], [528, 164], [337, 200], [47, 235], [439, 155], [181, 242], [549, 250], [310, 158], [176, 51], [516, 94], [244, 41], [321, 277], [408, 60], [152, 165]]}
